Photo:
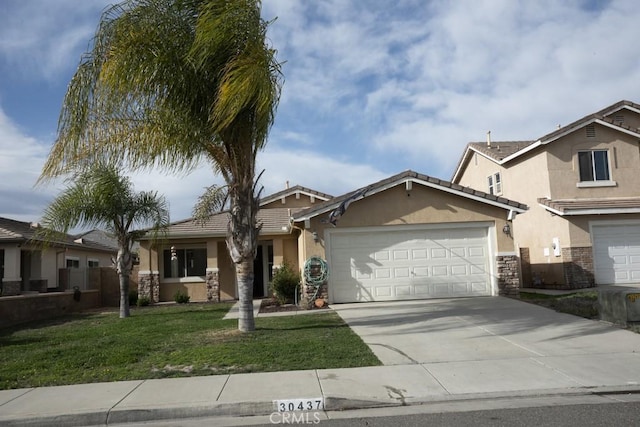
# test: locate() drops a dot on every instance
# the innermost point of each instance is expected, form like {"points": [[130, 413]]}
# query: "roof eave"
{"points": [[591, 211]]}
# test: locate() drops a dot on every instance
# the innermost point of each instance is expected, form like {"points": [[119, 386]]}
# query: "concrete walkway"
{"points": [[481, 350]]}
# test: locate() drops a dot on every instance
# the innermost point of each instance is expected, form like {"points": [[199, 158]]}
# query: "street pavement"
{"points": [[479, 350]]}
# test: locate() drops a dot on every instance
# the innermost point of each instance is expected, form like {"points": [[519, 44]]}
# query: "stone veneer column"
{"points": [[577, 264], [212, 279], [508, 276], [10, 287], [149, 285]]}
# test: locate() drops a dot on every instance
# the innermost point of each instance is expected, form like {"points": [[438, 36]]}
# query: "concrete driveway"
{"points": [[494, 334]]}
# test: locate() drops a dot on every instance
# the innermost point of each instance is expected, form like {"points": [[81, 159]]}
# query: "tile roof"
{"points": [[20, 231], [410, 175], [499, 150], [591, 206], [274, 221]]}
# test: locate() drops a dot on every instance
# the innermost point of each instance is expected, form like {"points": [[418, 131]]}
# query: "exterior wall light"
{"points": [[507, 229], [315, 236]]}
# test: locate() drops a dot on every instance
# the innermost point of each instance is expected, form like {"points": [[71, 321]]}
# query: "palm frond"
{"points": [[212, 201]]}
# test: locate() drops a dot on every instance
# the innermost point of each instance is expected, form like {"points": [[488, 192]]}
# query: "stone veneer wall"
{"points": [[212, 279], [149, 285], [578, 267], [508, 276], [11, 288]]}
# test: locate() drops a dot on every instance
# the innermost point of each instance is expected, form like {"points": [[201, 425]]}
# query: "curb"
{"points": [[247, 409]]}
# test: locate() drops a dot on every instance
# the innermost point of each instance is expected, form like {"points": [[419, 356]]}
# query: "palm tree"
{"points": [[171, 82], [101, 197]]}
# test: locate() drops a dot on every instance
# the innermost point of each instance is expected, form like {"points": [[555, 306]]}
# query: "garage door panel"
{"points": [[420, 272], [438, 253], [419, 254], [383, 273], [401, 255], [439, 271]]}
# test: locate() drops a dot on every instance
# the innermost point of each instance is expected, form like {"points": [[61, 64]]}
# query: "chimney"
{"points": [[489, 139], [286, 185]]}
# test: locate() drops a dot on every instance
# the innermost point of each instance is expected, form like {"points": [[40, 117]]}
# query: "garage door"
{"points": [[388, 264], [616, 253]]}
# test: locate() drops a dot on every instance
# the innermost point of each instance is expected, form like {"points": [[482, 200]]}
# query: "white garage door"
{"points": [[616, 253], [388, 264]]}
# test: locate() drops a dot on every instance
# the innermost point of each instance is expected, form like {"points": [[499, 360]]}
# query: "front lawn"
{"points": [[172, 341]]}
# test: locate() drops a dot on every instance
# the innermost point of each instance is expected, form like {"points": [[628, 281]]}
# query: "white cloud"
{"points": [[43, 38], [20, 165]]}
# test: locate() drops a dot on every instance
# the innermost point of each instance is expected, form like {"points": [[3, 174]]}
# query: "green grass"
{"points": [[583, 304], [172, 341]]}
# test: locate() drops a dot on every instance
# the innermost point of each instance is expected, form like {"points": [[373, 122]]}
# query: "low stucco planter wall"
{"points": [[25, 308]]}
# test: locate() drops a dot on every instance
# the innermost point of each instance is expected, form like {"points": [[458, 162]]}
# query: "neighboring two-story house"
{"points": [[582, 184]]}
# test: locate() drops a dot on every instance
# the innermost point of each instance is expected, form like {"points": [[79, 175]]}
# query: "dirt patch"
{"points": [[270, 305], [583, 304]]}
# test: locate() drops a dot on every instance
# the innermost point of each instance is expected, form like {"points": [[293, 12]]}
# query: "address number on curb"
{"points": [[291, 405]]}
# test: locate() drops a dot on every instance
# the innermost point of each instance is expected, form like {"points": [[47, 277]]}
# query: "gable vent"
{"points": [[619, 118], [591, 130]]}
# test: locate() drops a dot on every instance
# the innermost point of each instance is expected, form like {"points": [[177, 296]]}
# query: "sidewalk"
{"points": [[478, 382], [339, 389]]}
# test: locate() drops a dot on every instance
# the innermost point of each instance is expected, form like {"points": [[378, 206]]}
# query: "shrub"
{"points": [[133, 297], [284, 283], [143, 301], [181, 297]]}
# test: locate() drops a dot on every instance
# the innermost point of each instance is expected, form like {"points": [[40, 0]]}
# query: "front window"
{"points": [[185, 262], [72, 262], [93, 263], [495, 183], [594, 165]]}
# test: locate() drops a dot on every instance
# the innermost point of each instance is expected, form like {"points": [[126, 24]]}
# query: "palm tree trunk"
{"points": [[123, 268], [244, 273], [242, 241], [124, 295]]}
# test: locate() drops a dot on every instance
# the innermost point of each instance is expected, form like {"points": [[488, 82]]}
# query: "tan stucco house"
{"points": [[409, 236], [582, 184], [26, 265]]}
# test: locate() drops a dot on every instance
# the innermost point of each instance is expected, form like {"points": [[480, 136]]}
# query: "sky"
{"points": [[371, 87]]}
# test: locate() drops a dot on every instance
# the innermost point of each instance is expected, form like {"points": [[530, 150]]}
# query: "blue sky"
{"points": [[372, 87]]}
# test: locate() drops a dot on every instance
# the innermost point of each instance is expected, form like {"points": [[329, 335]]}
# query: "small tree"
{"points": [[285, 283], [101, 197]]}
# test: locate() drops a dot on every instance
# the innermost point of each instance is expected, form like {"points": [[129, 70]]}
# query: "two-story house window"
{"points": [[594, 165], [495, 183]]}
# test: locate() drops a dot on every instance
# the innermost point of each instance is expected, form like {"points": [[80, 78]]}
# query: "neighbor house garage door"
{"points": [[395, 263], [616, 253]]}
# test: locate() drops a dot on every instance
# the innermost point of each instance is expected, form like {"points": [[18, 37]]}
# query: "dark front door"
{"points": [[258, 274]]}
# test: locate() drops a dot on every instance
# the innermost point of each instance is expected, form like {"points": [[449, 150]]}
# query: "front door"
{"points": [[262, 266]]}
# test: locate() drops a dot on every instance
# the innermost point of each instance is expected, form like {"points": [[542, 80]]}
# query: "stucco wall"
{"points": [[624, 161], [420, 205]]}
